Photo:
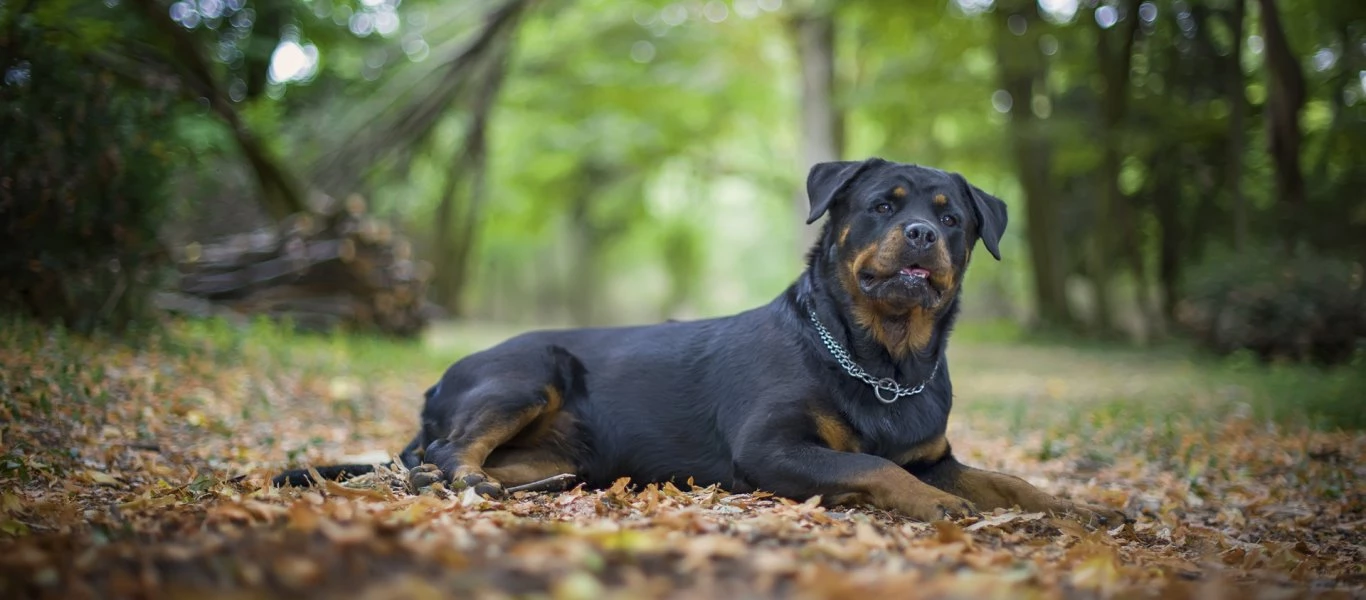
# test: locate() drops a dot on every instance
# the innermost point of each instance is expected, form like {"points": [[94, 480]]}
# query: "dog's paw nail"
{"points": [[423, 476], [488, 488], [955, 509]]}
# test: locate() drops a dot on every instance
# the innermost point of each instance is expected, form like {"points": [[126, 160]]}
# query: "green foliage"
{"points": [[85, 157], [643, 156], [1274, 305], [1321, 398], [274, 347]]}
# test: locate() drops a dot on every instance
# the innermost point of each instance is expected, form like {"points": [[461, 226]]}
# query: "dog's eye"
{"points": [[883, 208], [949, 220]]}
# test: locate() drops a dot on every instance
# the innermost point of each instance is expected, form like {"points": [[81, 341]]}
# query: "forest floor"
{"points": [[117, 469]]}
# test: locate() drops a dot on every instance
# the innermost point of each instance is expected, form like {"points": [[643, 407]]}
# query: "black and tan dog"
{"points": [[839, 387]]}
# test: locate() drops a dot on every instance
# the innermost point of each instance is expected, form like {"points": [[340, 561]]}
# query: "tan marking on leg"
{"points": [[553, 399], [835, 432], [928, 452], [990, 490], [893, 488], [520, 466], [475, 451], [542, 423]]}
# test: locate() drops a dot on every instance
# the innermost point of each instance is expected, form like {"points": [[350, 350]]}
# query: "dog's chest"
{"points": [[904, 429]]}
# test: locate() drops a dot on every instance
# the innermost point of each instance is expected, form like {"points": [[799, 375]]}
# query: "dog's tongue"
{"points": [[915, 272]]}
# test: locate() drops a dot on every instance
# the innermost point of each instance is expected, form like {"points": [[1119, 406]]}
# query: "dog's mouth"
{"points": [[910, 275], [913, 285], [914, 272]]}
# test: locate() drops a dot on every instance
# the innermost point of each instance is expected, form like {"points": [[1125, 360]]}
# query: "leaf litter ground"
{"points": [[120, 476]]}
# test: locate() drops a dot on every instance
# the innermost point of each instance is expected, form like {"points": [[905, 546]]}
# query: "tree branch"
{"points": [[411, 125], [280, 192]]}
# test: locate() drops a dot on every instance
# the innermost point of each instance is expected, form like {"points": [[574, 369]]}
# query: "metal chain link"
{"points": [[881, 387]]}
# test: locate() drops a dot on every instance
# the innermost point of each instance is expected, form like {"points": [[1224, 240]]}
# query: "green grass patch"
{"points": [[1030, 386], [272, 346]]}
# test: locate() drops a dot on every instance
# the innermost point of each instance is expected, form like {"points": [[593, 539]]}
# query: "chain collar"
{"points": [[886, 389]]}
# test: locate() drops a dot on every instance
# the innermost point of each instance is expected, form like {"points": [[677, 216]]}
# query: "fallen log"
{"points": [[337, 267]]}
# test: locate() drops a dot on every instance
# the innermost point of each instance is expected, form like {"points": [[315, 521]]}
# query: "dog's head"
{"points": [[899, 240]]}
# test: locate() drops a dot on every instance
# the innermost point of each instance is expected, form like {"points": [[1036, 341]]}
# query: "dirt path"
{"points": [[115, 470]]}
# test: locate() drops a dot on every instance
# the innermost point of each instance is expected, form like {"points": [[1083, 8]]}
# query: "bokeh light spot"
{"points": [[642, 51], [1324, 59], [1107, 16], [293, 62], [715, 11], [1148, 12], [1017, 24], [1001, 101], [674, 15], [1048, 44], [1059, 11]]}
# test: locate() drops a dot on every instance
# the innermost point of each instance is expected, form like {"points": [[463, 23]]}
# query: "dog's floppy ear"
{"points": [[827, 180], [990, 212]]}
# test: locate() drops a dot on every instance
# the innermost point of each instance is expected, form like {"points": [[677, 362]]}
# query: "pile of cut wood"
{"points": [[334, 267]]}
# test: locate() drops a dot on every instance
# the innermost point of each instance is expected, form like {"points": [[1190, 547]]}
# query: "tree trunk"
{"points": [[1021, 65], [458, 275], [1151, 319], [456, 233], [1167, 206], [1113, 63], [1285, 98], [583, 290], [822, 133], [590, 236], [1346, 76], [445, 290], [1237, 134]]}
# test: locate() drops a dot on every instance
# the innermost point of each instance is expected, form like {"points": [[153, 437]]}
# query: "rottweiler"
{"points": [[839, 387]]}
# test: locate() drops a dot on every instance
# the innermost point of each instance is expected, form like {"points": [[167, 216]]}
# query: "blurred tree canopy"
{"points": [[596, 161]]}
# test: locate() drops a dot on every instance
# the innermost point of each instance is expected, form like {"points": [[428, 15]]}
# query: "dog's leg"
{"points": [[519, 466], [489, 420], [807, 470], [991, 490]]}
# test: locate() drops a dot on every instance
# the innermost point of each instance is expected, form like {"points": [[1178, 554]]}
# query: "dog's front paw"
{"points": [[472, 477], [423, 476], [937, 507], [1106, 516], [1091, 515]]}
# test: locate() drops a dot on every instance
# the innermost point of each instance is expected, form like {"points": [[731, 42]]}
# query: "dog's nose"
{"points": [[920, 235]]}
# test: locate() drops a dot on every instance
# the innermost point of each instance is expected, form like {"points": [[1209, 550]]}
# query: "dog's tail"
{"points": [[304, 478]]}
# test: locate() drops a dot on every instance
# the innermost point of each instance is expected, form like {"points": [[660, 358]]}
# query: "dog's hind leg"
{"points": [[515, 467], [508, 409], [492, 419]]}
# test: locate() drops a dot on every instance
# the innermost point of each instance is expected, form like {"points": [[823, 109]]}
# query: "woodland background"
{"points": [[1176, 329], [1186, 166]]}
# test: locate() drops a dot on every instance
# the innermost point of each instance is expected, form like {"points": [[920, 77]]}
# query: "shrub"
{"points": [[1300, 307], [84, 157]]}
